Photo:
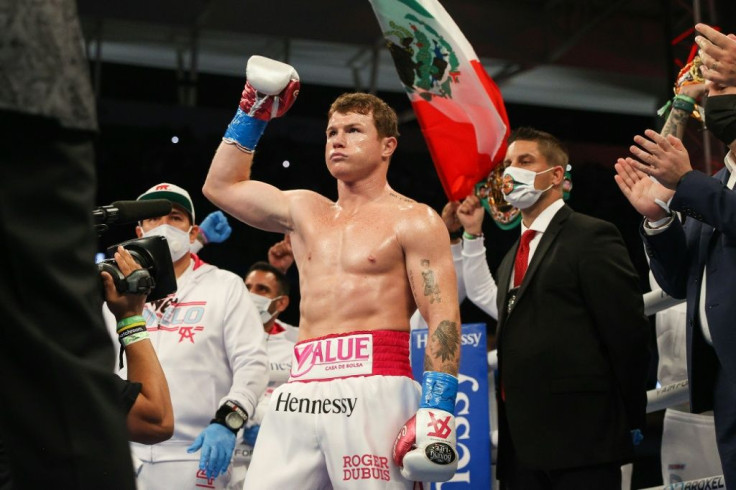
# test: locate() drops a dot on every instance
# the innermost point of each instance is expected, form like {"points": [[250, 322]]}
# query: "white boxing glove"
{"points": [[270, 90], [425, 447]]}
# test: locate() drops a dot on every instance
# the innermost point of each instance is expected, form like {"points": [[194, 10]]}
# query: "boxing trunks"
{"points": [[333, 424]]}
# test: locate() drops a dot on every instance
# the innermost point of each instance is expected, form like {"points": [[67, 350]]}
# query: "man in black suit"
{"points": [[693, 255], [572, 335]]}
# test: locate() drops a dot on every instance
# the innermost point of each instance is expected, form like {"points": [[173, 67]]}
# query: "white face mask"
{"points": [[263, 304], [178, 240], [518, 186]]}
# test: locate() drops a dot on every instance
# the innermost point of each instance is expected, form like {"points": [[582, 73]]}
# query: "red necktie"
{"points": [[522, 257]]}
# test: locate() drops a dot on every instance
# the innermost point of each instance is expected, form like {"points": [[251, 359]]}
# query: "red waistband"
{"points": [[389, 356]]}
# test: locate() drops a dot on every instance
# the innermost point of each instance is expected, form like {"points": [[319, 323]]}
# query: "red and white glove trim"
{"points": [[271, 89], [425, 447]]}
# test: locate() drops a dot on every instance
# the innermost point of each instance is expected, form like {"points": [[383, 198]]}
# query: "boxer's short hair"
{"points": [[384, 117]]}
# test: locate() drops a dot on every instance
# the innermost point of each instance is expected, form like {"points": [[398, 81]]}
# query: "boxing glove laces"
{"points": [[425, 447], [271, 88]]}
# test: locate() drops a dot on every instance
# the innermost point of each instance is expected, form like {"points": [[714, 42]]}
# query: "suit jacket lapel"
{"points": [[548, 237], [504, 279], [706, 236], [707, 232], [724, 175]]}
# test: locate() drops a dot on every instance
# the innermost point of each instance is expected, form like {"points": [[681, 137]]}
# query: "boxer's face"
{"points": [[353, 147]]}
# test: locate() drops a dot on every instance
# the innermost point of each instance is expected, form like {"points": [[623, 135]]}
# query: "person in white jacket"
{"points": [[269, 289], [209, 340], [479, 283]]}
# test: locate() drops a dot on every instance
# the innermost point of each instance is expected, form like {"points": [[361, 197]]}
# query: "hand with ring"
{"points": [[718, 53], [664, 158]]}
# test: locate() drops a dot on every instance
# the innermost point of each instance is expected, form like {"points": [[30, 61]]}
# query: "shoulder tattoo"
{"points": [[400, 197]]}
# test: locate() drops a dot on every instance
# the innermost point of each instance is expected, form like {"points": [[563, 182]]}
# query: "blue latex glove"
{"points": [[250, 434], [217, 443], [636, 437], [215, 227]]}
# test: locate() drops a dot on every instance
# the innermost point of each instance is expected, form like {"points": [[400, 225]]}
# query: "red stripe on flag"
{"points": [[453, 148], [453, 144]]}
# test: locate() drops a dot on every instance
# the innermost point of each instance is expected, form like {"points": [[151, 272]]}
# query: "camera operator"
{"points": [[209, 339], [145, 395]]}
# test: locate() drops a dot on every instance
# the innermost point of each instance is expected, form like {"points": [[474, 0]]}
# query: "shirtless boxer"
{"points": [[366, 262]]}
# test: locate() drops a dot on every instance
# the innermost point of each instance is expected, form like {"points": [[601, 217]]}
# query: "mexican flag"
{"points": [[459, 108]]}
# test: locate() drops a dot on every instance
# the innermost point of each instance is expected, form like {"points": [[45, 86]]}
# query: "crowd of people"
{"points": [[216, 391]]}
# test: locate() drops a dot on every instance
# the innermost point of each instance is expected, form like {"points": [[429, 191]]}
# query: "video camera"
{"points": [[156, 278]]}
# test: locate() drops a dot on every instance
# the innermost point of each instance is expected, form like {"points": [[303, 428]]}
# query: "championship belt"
{"points": [[689, 75], [491, 197]]}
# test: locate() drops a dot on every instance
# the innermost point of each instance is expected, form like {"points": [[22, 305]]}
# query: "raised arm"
{"points": [[271, 88], [479, 283], [689, 89]]}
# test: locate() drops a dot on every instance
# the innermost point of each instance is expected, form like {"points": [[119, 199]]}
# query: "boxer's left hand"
{"points": [[425, 447]]}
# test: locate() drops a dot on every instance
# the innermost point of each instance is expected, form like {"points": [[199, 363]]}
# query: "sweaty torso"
{"points": [[352, 268]]}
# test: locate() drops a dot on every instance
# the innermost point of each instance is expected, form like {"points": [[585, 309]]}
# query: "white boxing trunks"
{"points": [[334, 423]]}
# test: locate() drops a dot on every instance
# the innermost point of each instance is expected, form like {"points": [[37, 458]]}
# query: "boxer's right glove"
{"points": [[425, 447], [270, 90]]}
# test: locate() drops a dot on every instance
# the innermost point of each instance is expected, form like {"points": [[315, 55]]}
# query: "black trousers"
{"points": [[516, 476], [60, 420], [600, 477]]}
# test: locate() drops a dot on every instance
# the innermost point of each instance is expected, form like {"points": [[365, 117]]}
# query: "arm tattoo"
{"points": [[676, 122], [446, 340], [431, 288]]}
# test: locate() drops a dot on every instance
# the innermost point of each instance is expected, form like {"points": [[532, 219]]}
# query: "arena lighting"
{"points": [[175, 139], [286, 164]]}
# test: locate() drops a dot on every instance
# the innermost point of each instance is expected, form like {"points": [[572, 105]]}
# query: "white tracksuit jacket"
{"points": [[209, 339]]}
